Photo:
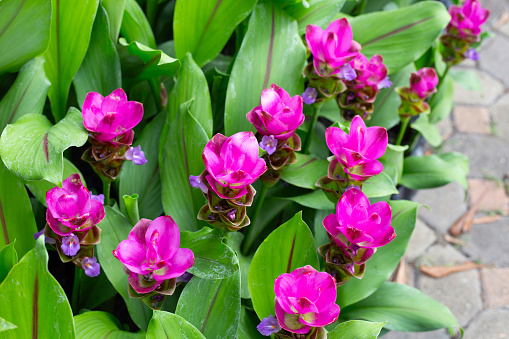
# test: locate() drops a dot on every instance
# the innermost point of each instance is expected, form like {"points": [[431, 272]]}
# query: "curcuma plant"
{"points": [[245, 169]]}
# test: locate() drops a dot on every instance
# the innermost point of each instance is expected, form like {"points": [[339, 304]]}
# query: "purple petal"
{"points": [[472, 54], [136, 155], [347, 72], [268, 144], [70, 245], [99, 197], [91, 266], [195, 182], [268, 326], [385, 83], [309, 96]]}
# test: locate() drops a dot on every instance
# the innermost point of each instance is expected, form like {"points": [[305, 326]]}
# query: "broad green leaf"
{"points": [[435, 170], [145, 180], [247, 326], [182, 144], [392, 161], [356, 329], [131, 210], [100, 70], [404, 308], [32, 148], [329, 110], [169, 325], [40, 187], [380, 185], [27, 94], [441, 105], [316, 200], [466, 79], [287, 248], [37, 304], [5, 325], [71, 26], [319, 12], [203, 27], [213, 258], [385, 113], [8, 258], [428, 130], [94, 291], [212, 306], [98, 324], [380, 267], [234, 242], [17, 220], [135, 26], [306, 171], [271, 52], [400, 36], [115, 10], [115, 228], [20, 41]]}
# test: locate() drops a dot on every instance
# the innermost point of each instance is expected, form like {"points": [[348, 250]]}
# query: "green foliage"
{"points": [[164, 325], [8, 258], [356, 329], [98, 324]]}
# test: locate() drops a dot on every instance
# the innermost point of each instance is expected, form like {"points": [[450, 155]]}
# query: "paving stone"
{"points": [[492, 88], [488, 154], [500, 112], [494, 58], [489, 325], [442, 255], [496, 289], [445, 128], [496, 198], [446, 204], [488, 243], [504, 29], [472, 119], [421, 239], [497, 9], [440, 334]]}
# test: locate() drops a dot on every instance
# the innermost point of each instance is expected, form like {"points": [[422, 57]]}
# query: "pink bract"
{"points": [[305, 298], [363, 224], [152, 250], [70, 207], [331, 48], [424, 82], [369, 72], [111, 116], [233, 162], [278, 115], [358, 150], [469, 17]]}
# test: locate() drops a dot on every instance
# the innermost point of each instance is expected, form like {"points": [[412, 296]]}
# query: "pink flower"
{"points": [[152, 255], [468, 18], [359, 223], [424, 82], [233, 162], [358, 151], [331, 48], [70, 207], [110, 117], [369, 72], [305, 298], [278, 115]]}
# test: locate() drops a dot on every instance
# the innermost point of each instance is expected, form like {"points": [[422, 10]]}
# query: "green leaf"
{"points": [[203, 27], [385, 260], [234, 242], [17, 220], [94, 291], [27, 94], [100, 70], [466, 79], [145, 180], [115, 10], [135, 26], [404, 308], [380, 185], [115, 228], [356, 329], [32, 148], [99, 324], [5, 325], [213, 258], [8, 258], [271, 52], [442, 104], [319, 12], [71, 25], [287, 248], [20, 42], [316, 200], [306, 171], [392, 161], [182, 144], [435, 170], [400, 36], [428, 130], [247, 326], [37, 304], [212, 306], [169, 325], [131, 208]]}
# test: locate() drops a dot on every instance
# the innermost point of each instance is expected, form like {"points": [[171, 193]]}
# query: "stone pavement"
{"points": [[479, 128]]}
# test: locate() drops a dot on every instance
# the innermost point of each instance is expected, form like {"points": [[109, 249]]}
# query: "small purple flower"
{"points": [[385, 83], [46, 239], [136, 155], [268, 144], [309, 96], [268, 326], [195, 182], [472, 54], [70, 245], [99, 197], [91, 266], [186, 277], [347, 72]]}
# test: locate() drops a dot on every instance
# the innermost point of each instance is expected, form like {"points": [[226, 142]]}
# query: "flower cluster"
{"points": [[423, 84], [463, 32]]}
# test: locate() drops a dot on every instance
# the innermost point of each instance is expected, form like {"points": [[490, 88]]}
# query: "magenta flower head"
{"points": [[424, 82], [233, 162], [467, 19], [305, 298], [112, 117], [370, 73], [331, 48], [278, 115], [357, 151], [71, 209], [151, 254], [358, 224]]}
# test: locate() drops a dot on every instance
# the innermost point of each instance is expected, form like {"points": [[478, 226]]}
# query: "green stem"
{"points": [[76, 289], [440, 82], [314, 119], [154, 87], [402, 130], [106, 191], [361, 7], [247, 240]]}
